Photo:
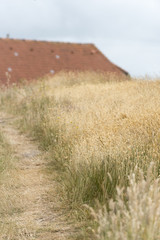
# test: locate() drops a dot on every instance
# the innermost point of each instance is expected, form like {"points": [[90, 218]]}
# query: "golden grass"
{"points": [[96, 131], [139, 218]]}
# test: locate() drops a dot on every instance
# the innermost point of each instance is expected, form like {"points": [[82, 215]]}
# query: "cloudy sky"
{"points": [[126, 31]]}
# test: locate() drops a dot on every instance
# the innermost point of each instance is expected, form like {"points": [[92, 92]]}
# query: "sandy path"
{"points": [[42, 216]]}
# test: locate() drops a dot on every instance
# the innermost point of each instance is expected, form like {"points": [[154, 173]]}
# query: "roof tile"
{"points": [[26, 59]]}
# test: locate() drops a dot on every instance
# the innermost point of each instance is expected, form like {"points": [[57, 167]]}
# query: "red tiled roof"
{"points": [[26, 59]]}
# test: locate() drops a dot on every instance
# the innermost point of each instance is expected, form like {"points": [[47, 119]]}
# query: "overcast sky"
{"points": [[126, 31]]}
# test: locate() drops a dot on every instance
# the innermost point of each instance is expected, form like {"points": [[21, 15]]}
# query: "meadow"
{"points": [[102, 134]]}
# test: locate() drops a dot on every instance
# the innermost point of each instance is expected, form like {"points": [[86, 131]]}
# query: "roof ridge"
{"points": [[45, 41]]}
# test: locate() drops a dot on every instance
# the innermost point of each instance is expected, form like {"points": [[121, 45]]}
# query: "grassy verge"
{"points": [[97, 134], [9, 203], [5, 156]]}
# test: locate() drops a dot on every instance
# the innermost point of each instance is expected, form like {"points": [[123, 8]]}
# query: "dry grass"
{"points": [[9, 203], [139, 218], [96, 132]]}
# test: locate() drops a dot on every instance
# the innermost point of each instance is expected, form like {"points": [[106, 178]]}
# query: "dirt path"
{"points": [[41, 216]]}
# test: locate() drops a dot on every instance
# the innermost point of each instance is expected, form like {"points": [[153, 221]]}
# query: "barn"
{"points": [[28, 59]]}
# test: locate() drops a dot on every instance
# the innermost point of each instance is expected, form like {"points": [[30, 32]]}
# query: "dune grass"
{"points": [[97, 133]]}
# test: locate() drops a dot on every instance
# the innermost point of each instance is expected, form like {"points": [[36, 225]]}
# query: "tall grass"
{"points": [[96, 131], [138, 218]]}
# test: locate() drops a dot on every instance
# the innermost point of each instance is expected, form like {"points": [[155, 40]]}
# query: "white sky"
{"points": [[126, 31]]}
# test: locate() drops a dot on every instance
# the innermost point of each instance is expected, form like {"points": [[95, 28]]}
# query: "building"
{"points": [[26, 59]]}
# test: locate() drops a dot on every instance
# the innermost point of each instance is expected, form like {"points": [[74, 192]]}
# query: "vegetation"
{"points": [[5, 153], [102, 136], [9, 203]]}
